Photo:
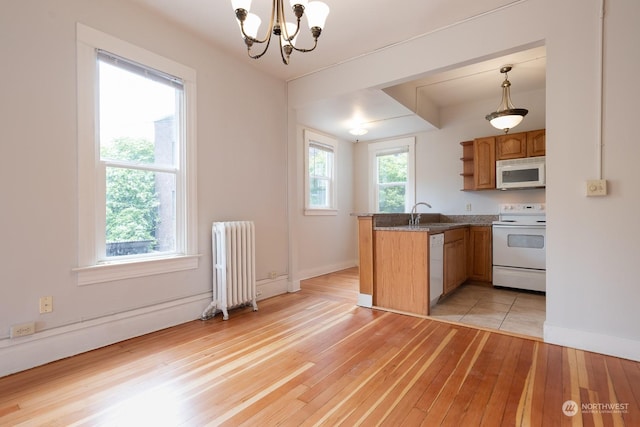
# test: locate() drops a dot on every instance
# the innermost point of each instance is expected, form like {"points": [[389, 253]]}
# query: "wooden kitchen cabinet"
{"points": [[484, 163], [402, 271], [519, 145], [511, 146], [455, 258], [479, 156], [479, 164], [365, 254], [468, 166], [480, 259], [536, 143]]}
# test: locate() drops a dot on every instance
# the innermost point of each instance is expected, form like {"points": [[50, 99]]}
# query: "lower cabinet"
{"points": [[396, 269], [401, 278], [480, 259], [455, 258]]}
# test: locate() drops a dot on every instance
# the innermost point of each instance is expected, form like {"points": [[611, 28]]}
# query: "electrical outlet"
{"points": [[273, 275], [597, 187], [468, 207], [23, 329], [46, 305]]}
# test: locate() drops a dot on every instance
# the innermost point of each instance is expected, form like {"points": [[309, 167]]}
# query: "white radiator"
{"points": [[234, 268]]}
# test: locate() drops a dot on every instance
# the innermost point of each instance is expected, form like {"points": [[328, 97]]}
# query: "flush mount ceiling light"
{"points": [[507, 116], [358, 131], [286, 32]]}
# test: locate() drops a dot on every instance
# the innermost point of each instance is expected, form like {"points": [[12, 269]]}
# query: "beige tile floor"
{"points": [[507, 310]]}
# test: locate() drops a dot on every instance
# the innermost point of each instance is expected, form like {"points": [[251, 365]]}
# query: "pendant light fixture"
{"points": [[506, 116], [286, 32]]}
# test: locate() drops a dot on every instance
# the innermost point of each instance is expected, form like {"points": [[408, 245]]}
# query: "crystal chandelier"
{"points": [[286, 32], [506, 116]]}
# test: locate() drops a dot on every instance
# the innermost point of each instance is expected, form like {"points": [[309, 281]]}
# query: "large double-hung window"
{"points": [[136, 161]]}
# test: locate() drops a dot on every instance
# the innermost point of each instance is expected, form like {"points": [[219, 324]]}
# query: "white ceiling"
{"points": [[355, 28]]}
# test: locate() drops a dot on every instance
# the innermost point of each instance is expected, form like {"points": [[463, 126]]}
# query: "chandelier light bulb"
{"points": [[252, 25], [241, 4], [317, 13]]}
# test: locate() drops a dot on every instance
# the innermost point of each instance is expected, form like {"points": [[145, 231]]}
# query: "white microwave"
{"points": [[527, 172]]}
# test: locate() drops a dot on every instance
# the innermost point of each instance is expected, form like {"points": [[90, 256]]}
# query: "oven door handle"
{"points": [[538, 226]]}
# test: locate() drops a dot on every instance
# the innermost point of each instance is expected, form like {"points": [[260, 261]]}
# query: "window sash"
{"points": [[328, 158], [139, 69], [154, 167], [320, 180]]}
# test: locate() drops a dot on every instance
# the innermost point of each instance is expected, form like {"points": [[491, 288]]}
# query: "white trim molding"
{"points": [[23, 353], [330, 145], [592, 341], [326, 269], [365, 300], [407, 144]]}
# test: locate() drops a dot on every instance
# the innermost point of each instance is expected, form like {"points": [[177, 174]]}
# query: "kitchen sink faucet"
{"points": [[416, 220]]}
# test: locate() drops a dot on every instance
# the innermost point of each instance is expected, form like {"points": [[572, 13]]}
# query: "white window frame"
{"points": [[312, 138], [90, 183], [389, 147]]}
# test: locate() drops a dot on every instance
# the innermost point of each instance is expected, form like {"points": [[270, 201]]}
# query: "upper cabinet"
{"points": [[484, 155], [479, 156], [518, 145], [479, 164], [536, 143], [511, 146]]}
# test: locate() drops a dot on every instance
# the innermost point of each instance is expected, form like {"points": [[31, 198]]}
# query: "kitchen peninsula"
{"points": [[394, 257]]}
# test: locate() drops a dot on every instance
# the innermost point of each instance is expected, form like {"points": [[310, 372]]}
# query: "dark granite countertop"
{"points": [[429, 222], [432, 228]]}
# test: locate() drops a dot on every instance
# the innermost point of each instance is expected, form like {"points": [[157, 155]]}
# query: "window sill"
{"points": [[139, 268], [321, 212]]}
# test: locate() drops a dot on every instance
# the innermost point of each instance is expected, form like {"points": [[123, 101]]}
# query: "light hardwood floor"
{"points": [[314, 358]]}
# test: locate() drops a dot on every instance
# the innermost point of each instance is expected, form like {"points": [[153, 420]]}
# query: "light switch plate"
{"points": [[46, 305], [596, 187]]}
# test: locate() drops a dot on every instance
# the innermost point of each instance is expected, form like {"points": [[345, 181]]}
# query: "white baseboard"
{"points": [[365, 300], [326, 269], [590, 341], [271, 287], [293, 286], [19, 354]]}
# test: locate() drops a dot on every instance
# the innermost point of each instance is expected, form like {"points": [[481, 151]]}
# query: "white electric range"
{"points": [[519, 247]]}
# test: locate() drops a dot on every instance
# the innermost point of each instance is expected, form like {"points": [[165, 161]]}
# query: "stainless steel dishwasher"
{"points": [[436, 267]]}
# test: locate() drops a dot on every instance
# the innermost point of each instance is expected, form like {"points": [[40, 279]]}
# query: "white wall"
{"points": [[592, 289], [325, 243], [242, 174], [593, 242]]}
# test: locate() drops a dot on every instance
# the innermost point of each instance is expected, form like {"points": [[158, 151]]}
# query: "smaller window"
{"points": [[392, 182], [320, 172]]}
